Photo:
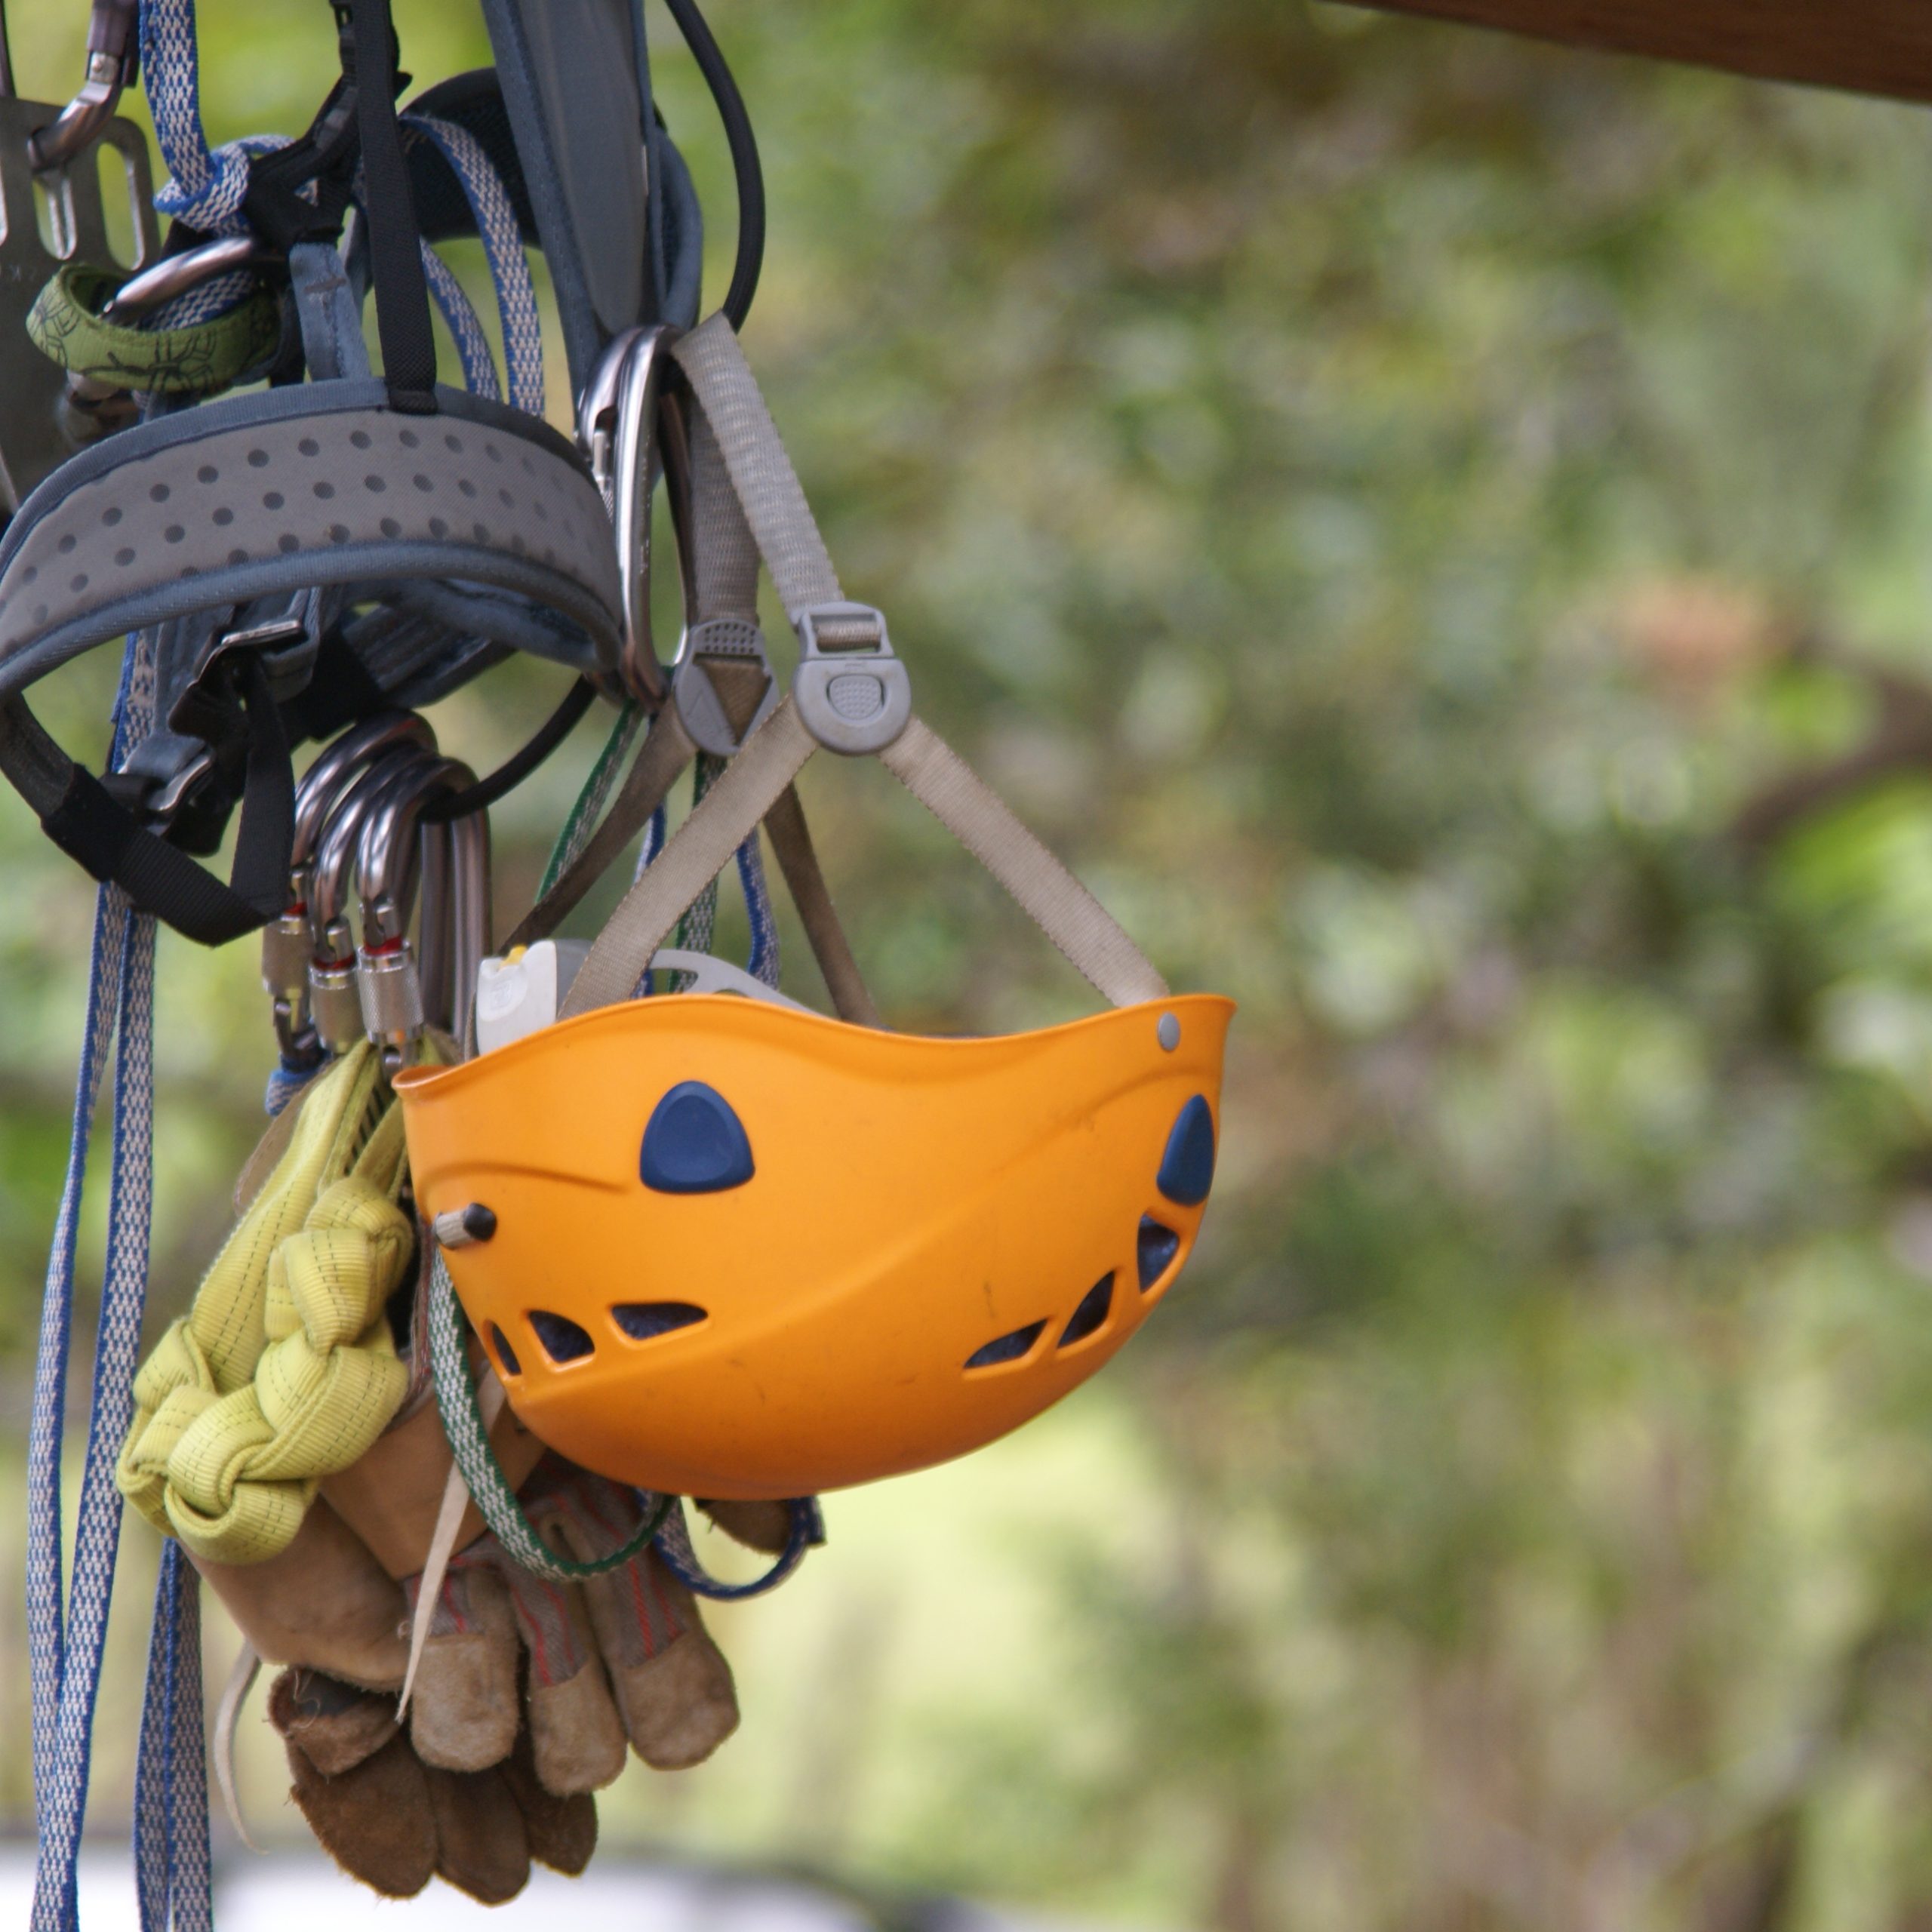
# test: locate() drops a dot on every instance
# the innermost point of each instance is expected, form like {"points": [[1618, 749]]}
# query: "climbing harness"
{"points": [[545, 1234]]}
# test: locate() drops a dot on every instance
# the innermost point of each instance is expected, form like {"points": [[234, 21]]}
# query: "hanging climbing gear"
{"points": [[418, 1509], [719, 1246]]}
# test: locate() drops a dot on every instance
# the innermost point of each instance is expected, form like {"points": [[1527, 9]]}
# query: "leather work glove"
{"points": [[393, 1822], [620, 1656]]}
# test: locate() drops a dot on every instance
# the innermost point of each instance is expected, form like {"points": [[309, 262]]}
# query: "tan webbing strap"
{"points": [[726, 574], [698, 850], [1045, 890], [791, 842], [724, 552], [766, 485], [667, 750], [780, 521], [740, 687]]}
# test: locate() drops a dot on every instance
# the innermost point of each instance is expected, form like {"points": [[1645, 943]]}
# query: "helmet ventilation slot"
{"points": [[1092, 1312], [500, 1346], [563, 1340], [1007, 1348], [642, 1320], [1155, 1248]]}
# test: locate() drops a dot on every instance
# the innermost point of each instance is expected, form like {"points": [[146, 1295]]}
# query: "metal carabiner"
{"points": [[452, 922], [469, 923], [113, 60], [175, 275], [285, 942], [618, 426], [333, 998], [388, 866]]}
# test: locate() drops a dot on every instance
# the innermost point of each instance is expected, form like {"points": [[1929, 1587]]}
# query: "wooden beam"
{"points": [[1879, 47]]}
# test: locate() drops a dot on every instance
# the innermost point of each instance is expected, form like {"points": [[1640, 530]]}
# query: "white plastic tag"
{"points": [[517, 997]]}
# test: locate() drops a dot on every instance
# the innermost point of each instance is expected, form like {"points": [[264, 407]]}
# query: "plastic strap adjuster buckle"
{"points": [[700, 709], [851, 692]]}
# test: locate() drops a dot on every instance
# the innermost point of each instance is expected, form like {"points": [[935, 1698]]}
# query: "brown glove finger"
{"points": [[482, 1846], [335, 1725], [376, 1821], [679, 1706], [673, 1685], [576, 1736], [562, 1831], [463, 1711], [762, 1526]]}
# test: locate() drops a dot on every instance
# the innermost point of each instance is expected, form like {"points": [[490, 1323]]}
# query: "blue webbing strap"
{"points": [[503, 247], [206, 187], [67, 1624], [172, 1876], [673, 1544]]}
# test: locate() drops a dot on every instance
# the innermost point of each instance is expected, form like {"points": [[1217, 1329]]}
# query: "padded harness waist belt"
{"points": [[324, 485]]}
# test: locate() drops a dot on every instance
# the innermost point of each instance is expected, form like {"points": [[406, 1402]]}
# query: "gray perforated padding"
{"points": [[338, 496]]}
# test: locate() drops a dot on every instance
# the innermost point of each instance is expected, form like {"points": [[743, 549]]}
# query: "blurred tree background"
{"points": [[1437, 530]]}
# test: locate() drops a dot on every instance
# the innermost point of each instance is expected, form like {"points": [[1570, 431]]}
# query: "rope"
{"points": [[698, 926], [469, 1443], [206, 188], [591, 799], [466, 328], [171, 1870]]}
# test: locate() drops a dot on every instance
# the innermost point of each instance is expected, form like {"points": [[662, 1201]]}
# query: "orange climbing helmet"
{"points": [[726, 1246], [741, 1250]]}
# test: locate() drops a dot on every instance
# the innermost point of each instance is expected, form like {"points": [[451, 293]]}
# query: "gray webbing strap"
{"points": [[791, 842], [942, 781], [781, 522], [724, 584], [724, 552]]}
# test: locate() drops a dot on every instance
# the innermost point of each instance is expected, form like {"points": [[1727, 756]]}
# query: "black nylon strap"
{"points": [[83, 818], [340, 690], [519, 764], [325, 155], [395, 256]]}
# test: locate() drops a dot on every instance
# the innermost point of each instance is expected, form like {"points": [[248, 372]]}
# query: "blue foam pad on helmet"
{"points": [[1187, 1167], [693, 1143]]}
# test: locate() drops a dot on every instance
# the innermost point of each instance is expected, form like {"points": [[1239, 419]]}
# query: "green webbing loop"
{"points": [[65, 325], [469, 1442], [589, 806]]}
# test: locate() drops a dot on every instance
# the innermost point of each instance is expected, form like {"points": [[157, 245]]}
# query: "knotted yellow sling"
{"points": [[284, 1371]]}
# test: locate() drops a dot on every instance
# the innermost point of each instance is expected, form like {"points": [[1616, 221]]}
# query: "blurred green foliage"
{"points": [[1408, 515]]}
